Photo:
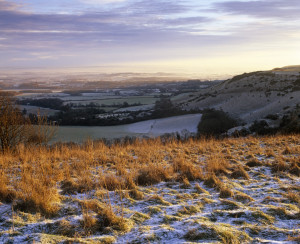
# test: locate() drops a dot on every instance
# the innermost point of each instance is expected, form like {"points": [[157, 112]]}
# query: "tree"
{"points": [[215, 122], [16, 129]]}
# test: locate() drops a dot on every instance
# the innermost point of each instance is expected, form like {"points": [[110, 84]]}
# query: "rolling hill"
{"points": [[251, 96]]}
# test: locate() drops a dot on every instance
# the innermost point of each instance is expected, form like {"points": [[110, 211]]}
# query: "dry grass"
{"points": [[97, 216], [279, 166], [295, 239], [254, 163], [295, 168], [293, 197], [217, 165], [226, 192], [64, 228], [213, 181], [42, 179], [240, 173], [200, 190], [186, 169], [6, 194], [141, 163], [136, 194]]}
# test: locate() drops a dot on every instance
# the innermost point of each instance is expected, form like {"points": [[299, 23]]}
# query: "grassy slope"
{"points": [[232, 191], [250, 96]]}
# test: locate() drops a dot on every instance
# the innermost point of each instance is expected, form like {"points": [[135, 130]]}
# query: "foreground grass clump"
{"points": [[6, 194], [224, 233], [151, 190], [103, 217]]}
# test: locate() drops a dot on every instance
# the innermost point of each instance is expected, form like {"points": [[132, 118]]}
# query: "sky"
{"points": [[179, 36]]}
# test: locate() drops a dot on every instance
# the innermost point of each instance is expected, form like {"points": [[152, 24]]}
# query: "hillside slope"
{"points": [[251, 96]]}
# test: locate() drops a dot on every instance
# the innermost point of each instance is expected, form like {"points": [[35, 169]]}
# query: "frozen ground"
{"points": [[146, 128], [173, 213], [167, 125], [259, 210]]}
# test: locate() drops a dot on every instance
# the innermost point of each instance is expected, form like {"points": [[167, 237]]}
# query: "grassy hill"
{"points": [[250, 96], [291, 68], [237, 190]]}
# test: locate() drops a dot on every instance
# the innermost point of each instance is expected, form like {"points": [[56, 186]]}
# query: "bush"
{"points": [[215, 122], [290, 123], [261, 128]]}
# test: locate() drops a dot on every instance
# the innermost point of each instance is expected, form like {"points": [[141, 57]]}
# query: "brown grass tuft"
{"points": [[287, 150], [187, 169], [295, 239], [200, 190], [6, 194], [37, 197], [240, 172], [153, 174], [64, 228], [107, 218], [213, 181], [279, 166], [69, 187], [242, 197], [136, 194], [254, 163], [111, 182], [186, 183], [295, 169], [293, 197], [89, 223], [225, 192], [217, 165]]}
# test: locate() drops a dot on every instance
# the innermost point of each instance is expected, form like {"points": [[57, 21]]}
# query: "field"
{"points": [[236, 190], [148, 128]]}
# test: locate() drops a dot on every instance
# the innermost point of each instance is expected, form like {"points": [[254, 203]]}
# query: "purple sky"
{"points": [[186, 36]]}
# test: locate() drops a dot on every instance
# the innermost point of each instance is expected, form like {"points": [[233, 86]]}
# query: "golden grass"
{"points": [[34, 176], [240, 172]]}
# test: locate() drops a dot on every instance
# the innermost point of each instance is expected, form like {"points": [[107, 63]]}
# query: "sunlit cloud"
{"points": [[144, 32]]}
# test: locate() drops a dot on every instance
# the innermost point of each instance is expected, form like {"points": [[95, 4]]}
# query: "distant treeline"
{"points": [[52, 103], [90, 116]]}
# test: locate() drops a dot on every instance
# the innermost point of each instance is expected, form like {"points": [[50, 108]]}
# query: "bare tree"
{"points": [[12, 124], [15, 129]]}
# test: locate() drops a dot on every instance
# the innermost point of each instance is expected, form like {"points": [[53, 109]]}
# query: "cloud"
{"points": [[283, 9], [142, 30], [8, 6], [100, 2], [144, 22]]}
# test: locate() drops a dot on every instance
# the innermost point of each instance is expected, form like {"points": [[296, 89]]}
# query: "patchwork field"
{"points": [[243, 190]]}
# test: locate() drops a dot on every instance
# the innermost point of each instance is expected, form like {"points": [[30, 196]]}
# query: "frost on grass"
{"points": [[197, 191]]}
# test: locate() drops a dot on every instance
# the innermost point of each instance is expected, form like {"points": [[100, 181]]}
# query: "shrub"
{"points": [[290, 123], [260, 127], [215, 122]]}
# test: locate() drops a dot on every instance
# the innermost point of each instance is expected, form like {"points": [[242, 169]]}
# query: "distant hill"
{"points": [[251, 96], [291, 68]]}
